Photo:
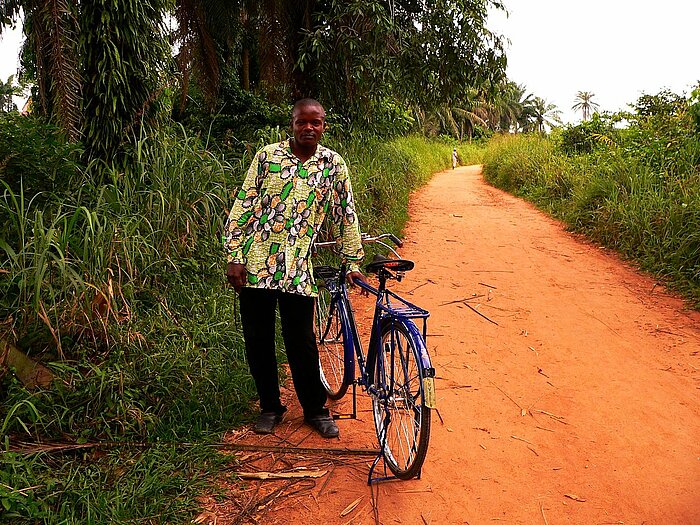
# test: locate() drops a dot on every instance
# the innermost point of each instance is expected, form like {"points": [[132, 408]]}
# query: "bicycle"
{"points": [[396, 370]]}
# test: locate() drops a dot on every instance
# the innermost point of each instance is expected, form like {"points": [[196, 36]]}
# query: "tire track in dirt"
{"points": [[579, 406]]}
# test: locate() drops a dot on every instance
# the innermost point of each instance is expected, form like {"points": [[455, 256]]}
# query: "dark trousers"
{"points": [[297, 315]]}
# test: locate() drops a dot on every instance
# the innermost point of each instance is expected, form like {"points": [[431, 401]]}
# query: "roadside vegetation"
{"points": [[629, 181]]}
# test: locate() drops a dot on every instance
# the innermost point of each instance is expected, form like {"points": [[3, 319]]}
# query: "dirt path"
{"points": [[580, 406]]}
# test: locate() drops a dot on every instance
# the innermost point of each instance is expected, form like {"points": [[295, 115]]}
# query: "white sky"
{"points": [[10, 42], [616, 49]]}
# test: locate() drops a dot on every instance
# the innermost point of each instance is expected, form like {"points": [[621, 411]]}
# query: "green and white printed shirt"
{"points": [[278, 213]]}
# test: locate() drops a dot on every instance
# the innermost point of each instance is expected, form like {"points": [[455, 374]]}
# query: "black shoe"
{"points": [[324, 425], [267, 421]]}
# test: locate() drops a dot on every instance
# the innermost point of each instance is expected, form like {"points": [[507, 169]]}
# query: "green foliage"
{"points": [[586, 136], [33, 155], [637, 192], [125, 55]]}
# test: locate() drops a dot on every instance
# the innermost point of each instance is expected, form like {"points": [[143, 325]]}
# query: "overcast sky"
{"points": [[616, 49]]}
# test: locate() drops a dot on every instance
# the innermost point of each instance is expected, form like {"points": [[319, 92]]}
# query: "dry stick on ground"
{"points": [[488, 285], [505, 394], [461, 300], [429, 281], [478, 312], [553, 416], [543, 516], [304, 450]]}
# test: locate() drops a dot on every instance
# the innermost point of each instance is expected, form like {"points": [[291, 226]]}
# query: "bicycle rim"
{"points": [[330, 339], [400, 417]]}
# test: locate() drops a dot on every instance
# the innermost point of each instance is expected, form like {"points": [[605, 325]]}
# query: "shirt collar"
{"points": [[287, 148]]}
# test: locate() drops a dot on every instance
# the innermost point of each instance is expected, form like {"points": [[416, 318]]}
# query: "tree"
{"points": [[358, 56], [124, 58], [98, 65], [7, 91], [584, 103], [51, 31], [537, 115]]}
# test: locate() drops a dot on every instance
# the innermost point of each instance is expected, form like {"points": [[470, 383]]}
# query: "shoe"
{"points": [[267, 421], [324, 425]]}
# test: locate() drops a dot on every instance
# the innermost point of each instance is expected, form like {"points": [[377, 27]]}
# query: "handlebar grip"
{"points": [[398, 242]]}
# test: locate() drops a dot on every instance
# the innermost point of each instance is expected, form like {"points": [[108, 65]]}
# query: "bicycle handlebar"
{"points": [[366, 239]]}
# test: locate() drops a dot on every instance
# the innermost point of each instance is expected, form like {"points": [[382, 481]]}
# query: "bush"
{"points": [[34, 156]]}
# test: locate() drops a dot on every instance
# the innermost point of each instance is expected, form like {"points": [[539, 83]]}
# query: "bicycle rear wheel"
{"points": [[401, 418], [331, 339]]}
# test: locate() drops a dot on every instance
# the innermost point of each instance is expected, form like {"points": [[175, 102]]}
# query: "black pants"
{"points": [[297, 315]]}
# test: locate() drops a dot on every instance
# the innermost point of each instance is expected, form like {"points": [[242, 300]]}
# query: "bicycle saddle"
{"points": [[395, 265]]}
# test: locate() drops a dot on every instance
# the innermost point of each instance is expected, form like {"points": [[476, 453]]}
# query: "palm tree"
{"points": [[7, 91], [584, 102], [538, 115], [51, 28]]}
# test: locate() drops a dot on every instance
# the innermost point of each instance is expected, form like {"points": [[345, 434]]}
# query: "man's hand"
{"points": [[236, 275], [354, 277]]}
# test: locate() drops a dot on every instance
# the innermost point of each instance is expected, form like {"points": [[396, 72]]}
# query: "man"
{"points": [[454, 158], [289, 189]]}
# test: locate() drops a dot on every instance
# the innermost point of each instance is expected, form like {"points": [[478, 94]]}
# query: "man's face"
{"points": [[308, 123]]}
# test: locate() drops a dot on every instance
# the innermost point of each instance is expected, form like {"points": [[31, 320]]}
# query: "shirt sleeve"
{"points": [[346, 226], [235, 238]]}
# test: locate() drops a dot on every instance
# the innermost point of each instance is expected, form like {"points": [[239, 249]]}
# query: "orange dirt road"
{"points": [[573, 401]]}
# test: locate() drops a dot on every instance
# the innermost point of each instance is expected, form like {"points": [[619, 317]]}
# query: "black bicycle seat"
{"points": [[395, 265]]}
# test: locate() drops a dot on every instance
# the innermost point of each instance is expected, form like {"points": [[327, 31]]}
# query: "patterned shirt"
{"points": [[278, 213]]}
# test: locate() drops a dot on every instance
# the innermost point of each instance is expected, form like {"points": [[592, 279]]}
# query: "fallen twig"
{"points": [[521, 439], [553, 416], [505, 394], [475, 296], [282, 475], [543, 516], [482, 315], [488, 285]]}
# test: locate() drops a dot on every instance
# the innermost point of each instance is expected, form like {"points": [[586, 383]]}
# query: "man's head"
{"points": [[308, 122]]}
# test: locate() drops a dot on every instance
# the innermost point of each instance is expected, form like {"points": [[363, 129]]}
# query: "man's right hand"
{"points": [[236, 275]]}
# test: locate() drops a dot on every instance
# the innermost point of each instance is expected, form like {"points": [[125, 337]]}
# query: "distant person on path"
{"points": [[278, 212], [454, 158]]}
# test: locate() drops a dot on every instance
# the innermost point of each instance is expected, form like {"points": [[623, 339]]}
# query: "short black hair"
{"points": [[305, 102]]}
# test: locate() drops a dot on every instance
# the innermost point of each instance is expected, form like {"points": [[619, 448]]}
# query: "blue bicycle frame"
{"points": [[399, 312]]}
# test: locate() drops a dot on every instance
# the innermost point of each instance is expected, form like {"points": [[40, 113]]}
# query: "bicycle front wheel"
{"points": [[401, 417], [331, 339]]}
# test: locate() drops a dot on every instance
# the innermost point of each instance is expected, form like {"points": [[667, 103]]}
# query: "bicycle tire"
{"points": [[401, 417], [331, 338]]}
